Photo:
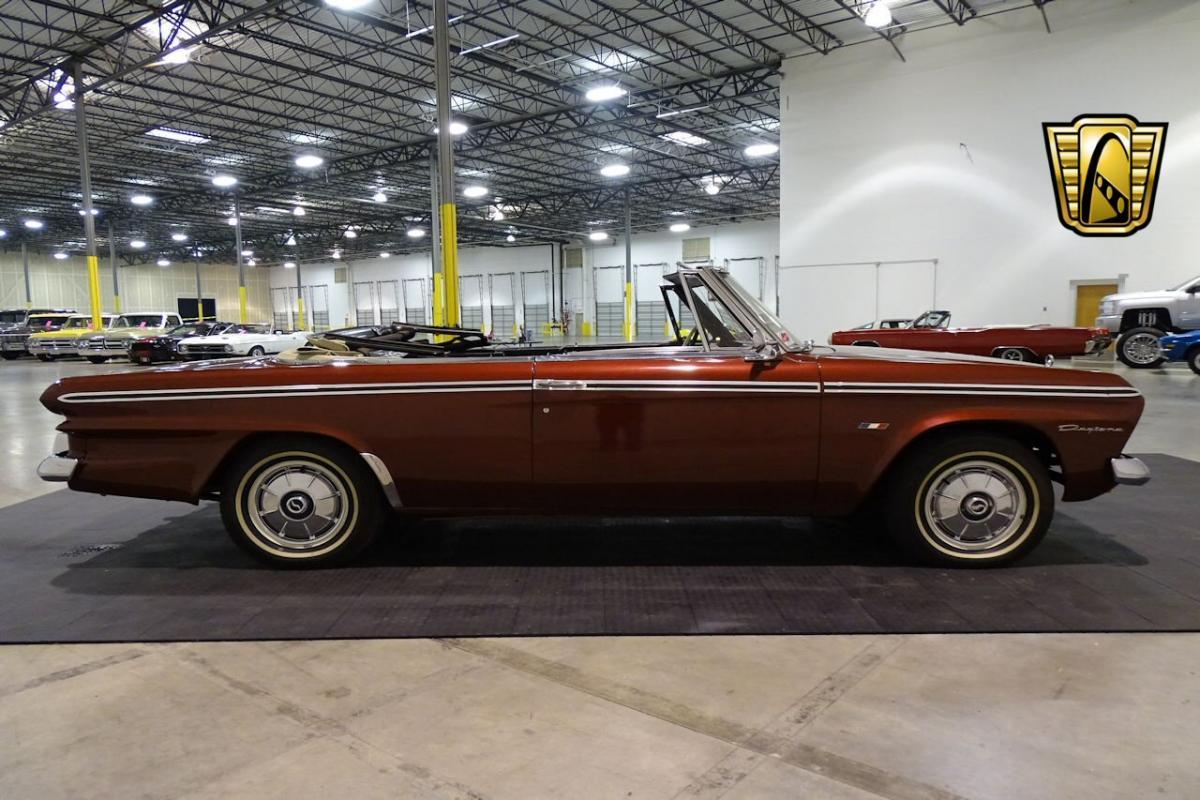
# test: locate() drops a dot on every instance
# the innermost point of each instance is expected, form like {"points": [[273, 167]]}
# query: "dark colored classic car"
{"points": [[312, 451], [18, 326], [165, 347], [1182, 347], [932, 332]]}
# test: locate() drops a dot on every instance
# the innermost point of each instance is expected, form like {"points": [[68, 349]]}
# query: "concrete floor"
{"points": [[1014, 716]]}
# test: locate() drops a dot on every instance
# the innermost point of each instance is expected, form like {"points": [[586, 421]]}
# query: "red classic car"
{"points": [[932, 332], [312, 452]]}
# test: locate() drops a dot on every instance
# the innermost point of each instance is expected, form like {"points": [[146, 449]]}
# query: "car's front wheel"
{"points": [[1139, 348], [1010, 353], [97, 359], [1193, 360], [256, 351], [301, 503], [973, 501], [44, 358]]}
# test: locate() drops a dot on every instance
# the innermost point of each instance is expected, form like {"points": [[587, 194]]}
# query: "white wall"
{"points": [[734, 241], [64, 284], [943, 158]]}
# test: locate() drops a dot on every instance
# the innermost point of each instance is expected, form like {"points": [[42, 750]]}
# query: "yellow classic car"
{"points": [[49, 345]]}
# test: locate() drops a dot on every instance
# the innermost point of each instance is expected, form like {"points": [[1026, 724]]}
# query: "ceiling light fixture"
{"points": [[141, 199], [137, 244], [712, 187], [614, 170], [415, 233], [385, 255], [680, 227], [299, 211], [95, 212], [291, 240], [3, 233], [289, 265], [379, 197], [510, 238], [224, 181], [336, 254], [685, 138], [252, 263], [350, 233], [457, 128], [599, 94], [474, 190], [247, 253], [231, 221], [34, 224], [598, 236], [187, 137], [60, 256], [761, 149], [309, 161], [494, 43], [162, 262], [179, 237], [179, 55], [878, 15], [346, 5], [676, 112]]}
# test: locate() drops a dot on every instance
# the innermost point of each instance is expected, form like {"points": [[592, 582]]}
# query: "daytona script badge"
{"points": [[1105, 172]]}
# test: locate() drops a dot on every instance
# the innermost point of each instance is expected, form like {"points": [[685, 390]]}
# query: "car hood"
{"points": [[58, 334], [912, 356], [134, 331], [1160, 294]]}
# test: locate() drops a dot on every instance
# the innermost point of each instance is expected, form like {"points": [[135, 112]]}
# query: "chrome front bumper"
{"points": [[1130, 471], [58, 467], [52, 349]]}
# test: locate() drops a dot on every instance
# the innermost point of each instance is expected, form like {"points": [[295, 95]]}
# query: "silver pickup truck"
{"points": [[16, 324], [1140, 319]]}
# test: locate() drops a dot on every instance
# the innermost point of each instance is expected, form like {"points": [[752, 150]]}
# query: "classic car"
{"points": [[1182, 347], [310, 452], [49, 345], [13, 337], [241, 340], [1140, 319], [165, 347], [115, 342], [931, 331], [883, 323]]}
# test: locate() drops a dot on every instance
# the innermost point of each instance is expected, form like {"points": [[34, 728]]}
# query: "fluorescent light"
{"points": [[510, 238], [291, 241], [457, 128], [684, 138], [309, 161], [252, 263], [379, 197], [415, 233], [179, 237], [231, 221], [162, 262], [336, 254], [34, 224], [493, 43], [137, 244], [60, 256], [385, 255], [224, 181], [474, 190], [95, 212], [761, 149], [346, 5], [180, 55], [3, 233], [678, 111], [597, 236], [141, 199], [598, 94], [299, 211], [680, 227], [289, 265], [878, 15], [247, 253], [614, 170], [350, 233], [712, 187], [187, 137]]}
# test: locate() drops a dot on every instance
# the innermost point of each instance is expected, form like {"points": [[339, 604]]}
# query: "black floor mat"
{"points": [[80, 568]]}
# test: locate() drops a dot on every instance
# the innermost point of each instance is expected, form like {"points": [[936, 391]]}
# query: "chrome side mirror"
{"points": [[768, 353]]}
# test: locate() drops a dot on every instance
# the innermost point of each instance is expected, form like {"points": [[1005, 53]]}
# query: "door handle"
{"points": [[557, 384]]}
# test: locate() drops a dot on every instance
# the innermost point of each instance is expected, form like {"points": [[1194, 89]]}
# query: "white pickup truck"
{"points": [[1142, 318]]}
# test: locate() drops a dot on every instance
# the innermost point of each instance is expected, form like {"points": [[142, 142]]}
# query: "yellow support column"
{"points": [[628, 312], [439, 299], [93, 264], [450, 261], [300, 314], [242, 311]]}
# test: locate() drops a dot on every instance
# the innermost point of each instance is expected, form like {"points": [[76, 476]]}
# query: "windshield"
{"points": [[77, 323], [932, 319], [720, 323], [139, 321], [1186, 284], [768, 319], [49, 321], [11, 317]]}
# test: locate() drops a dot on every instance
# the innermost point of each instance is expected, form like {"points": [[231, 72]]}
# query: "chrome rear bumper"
{"points": [[58, 467], [1130, 471]]}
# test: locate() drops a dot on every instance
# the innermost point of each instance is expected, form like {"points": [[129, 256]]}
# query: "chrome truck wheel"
{"points": [[1139, 348], [301, 503], [971, 501]]}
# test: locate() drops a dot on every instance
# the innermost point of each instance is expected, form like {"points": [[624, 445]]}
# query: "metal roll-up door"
{"points": [[502, 303], [364, 303], [281, 308], [535, 302], [415, 301], [607, 285], [316, 306], [388, 293], [649, 312], [470, 296]]}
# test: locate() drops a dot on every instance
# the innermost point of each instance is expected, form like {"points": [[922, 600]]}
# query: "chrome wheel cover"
{"points": [[298, 505], [1142, 348], [1012, 354], [975, 505]]}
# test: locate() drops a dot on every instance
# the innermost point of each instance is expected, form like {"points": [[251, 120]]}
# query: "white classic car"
{"points": [[241, 340]]}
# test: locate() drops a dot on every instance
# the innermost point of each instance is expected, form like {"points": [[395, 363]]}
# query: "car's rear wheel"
{"points": [[97, 359], [301, 503], [257, 351], [970, 501], [43, 357], [1139, 348], [1193, 360], [10, 356], [1010, 353]]}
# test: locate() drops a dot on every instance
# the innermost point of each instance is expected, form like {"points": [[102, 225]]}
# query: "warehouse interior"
{"points": [[276, 168]]}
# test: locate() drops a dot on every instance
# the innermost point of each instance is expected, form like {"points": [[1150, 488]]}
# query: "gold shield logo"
{"points": [[1105, 172]]}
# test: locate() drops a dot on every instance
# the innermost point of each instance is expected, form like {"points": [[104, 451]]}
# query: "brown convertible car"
{"points": [[312, 452]]}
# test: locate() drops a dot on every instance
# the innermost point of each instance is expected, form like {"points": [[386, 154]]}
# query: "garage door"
{"points": [[415, 301], [650, 314], [470, 298], [281, 308], [388, 293], [364, 303], [610, 300], [535, 301], [502, 298]]}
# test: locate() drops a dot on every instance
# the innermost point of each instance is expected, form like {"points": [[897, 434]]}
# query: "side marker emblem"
{"points": [[873, 426]]}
